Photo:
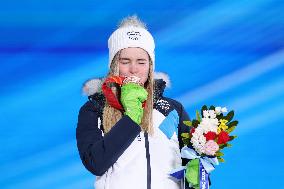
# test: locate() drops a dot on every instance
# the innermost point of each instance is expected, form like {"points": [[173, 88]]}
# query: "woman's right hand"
{"points": [[132, 97]]}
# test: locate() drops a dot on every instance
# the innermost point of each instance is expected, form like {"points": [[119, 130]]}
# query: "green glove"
{"points": [[192, 173], [132, 97]]}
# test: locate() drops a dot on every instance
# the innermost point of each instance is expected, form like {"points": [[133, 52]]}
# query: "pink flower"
{"points": [[211, 147]]}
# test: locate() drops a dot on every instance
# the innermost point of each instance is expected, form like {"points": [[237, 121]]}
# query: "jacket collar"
{"points": [[92, 87]]}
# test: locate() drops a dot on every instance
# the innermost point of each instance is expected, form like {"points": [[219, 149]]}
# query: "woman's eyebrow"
{"points": [[141, 59], [124, 58]]}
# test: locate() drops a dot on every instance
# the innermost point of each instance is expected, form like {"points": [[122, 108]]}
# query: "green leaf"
{"points": [[198, 116], [220, 159], [231, 129], [187, 123], [203, 108], [233, 123], [220, 116], [229, 116], [185, 141], [229, 145], [221, 148], [212, 108], [185, 138], [219, 154], [232, 137], [195, 123], [185, 135]]}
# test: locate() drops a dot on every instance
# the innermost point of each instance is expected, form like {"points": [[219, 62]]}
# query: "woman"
{"points": [[134, 142]]}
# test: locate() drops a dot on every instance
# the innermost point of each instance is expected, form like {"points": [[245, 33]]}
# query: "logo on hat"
{"points": [[133, 35]]}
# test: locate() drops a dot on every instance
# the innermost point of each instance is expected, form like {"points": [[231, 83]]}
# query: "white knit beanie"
{"points": [[131, 36]]}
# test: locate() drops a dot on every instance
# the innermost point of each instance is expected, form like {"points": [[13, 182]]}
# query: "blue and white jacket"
{"points": [[126, 157]]}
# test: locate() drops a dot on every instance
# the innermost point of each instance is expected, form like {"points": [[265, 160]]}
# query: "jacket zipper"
{"points": [[148, 161]]}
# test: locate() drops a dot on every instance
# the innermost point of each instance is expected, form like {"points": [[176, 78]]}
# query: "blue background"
{"points": [[227, 53]]}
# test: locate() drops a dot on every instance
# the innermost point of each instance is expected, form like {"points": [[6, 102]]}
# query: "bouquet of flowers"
{"points": [[209, 135]]}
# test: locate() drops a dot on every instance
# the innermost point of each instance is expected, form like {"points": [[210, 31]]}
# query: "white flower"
{"points": [[198, 130], [198, 140], [205, 113], [219, 110], [224, 110], [209, 114], [212, 114], [208, 124]]}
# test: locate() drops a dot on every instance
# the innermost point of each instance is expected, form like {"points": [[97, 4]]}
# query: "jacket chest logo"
{"points": [[139, 138]]}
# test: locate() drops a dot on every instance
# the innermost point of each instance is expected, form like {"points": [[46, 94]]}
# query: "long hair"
{"points": [[112, 115]]}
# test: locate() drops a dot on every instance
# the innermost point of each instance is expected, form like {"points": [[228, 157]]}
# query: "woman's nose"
{"points": [[133, 68]]}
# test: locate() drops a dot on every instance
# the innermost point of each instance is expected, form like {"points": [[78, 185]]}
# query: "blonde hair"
{"points": [[112, 115]]}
